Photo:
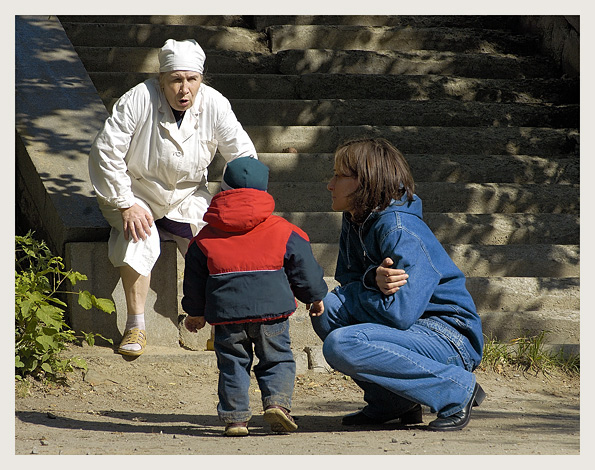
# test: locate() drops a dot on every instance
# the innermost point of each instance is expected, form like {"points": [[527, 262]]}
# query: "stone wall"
{"points": [[560, 37]]}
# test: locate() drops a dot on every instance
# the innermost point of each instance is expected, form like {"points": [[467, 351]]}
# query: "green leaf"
{"points": [[80, 363], [85, 300], [50, 316], [105, 305], [47, 342], [73, 277]]}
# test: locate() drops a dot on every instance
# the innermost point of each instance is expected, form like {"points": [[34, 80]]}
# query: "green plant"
{"points": [[528, 353], [40, 330]]}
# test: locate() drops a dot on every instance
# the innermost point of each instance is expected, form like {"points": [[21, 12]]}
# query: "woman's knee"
{"points": [[336, 349]]}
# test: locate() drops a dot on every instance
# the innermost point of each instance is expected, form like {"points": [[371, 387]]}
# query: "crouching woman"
{"points": [[402, 323]]}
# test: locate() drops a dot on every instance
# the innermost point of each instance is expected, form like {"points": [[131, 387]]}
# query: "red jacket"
{"points": [[247, 264]]}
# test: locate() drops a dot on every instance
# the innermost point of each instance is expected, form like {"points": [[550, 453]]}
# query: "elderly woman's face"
{"points": [[180, 88]]}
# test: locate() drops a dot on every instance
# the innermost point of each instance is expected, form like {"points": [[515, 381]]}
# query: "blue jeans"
{"points": [[235, 346], [426, 364]]}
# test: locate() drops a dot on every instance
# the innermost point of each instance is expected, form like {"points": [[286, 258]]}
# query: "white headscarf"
{"points": [[181, 55]]}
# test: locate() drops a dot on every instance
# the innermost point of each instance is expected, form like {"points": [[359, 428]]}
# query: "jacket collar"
{"points": [[189, 123], [239, 210]]}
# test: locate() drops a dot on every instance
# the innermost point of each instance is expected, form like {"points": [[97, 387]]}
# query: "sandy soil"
{"points": [[165, 403]]}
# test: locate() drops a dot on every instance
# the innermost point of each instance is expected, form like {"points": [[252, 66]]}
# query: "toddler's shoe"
{"points": [[236, 429], [279, 419]]}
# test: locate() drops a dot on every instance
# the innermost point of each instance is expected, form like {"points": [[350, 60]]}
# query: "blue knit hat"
{"points": [[245, 172]]}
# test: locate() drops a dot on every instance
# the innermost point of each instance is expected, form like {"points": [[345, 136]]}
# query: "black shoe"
{"points": [[412, 416], [461, 419]]}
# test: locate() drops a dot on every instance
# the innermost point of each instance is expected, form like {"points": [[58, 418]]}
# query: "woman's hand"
{"points": [[193, 324], [390, 280], [315, 308], [137, 222]]}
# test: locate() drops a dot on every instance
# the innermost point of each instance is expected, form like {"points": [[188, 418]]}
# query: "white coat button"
{"points": [[177, 154]]}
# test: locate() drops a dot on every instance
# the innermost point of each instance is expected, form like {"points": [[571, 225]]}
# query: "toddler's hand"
{"points": [[193, 324], [316, 308]]}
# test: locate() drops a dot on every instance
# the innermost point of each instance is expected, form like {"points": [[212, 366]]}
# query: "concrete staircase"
{"points": [[489, 125]]}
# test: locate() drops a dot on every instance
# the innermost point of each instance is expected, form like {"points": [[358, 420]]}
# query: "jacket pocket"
{"points": [[193, 167], [275, 328]]}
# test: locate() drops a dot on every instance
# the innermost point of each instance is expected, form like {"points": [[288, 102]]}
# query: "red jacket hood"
{"points": [[239, 210]]}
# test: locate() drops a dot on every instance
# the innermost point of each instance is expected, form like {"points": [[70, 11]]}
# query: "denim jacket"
{"points": [[435, 293]]}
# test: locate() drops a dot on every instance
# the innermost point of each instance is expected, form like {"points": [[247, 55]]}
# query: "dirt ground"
{"points": [[164, 403]]}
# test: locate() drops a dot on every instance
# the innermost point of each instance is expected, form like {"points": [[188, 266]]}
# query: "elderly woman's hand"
{"points": [[137, 222], [390, 280]]}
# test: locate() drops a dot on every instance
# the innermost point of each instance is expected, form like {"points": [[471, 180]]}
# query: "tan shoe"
{"points": [[133, 336]]}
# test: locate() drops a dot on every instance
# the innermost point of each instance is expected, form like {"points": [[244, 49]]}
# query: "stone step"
{"points": [[508, 307], [399, 38], [144, 59], [292, 62], [490, 260], [381, 112], [155, 35], [417, 21], [522, 294], [519, 294], [470, 198], [453, 228], [285, 112], [112, 85], [261, 22], [283, 37], [525, 169], [421, 140], [415, 63], [561, 328], [189, 20]]}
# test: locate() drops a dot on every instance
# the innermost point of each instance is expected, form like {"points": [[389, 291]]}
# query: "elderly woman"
{"points": [[148, 166]]}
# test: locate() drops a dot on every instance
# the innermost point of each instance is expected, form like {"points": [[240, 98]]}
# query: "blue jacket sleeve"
{"points": [[196, 274], [305, 275], [409, 303]]}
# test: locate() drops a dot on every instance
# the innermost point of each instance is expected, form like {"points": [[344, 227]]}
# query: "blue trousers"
{"points": [[397, 368], [235, 346]]}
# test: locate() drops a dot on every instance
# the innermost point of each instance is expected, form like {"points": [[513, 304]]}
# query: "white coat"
{"points": [[141, 156]]}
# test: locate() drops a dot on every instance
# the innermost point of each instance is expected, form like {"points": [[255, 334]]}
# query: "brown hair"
{"points": [[382, 173]]}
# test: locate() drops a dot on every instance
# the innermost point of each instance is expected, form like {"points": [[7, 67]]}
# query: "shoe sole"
{"points": [[279, 421], [236, 431], [127, 352]]}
